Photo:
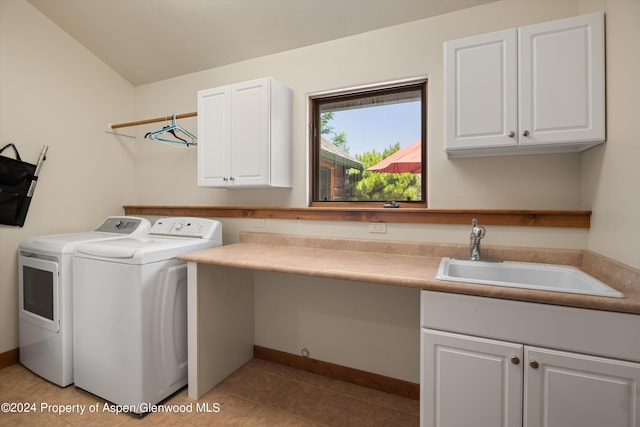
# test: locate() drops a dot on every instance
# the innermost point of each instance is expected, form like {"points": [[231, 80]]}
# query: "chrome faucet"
{"points": [[477, 234]]}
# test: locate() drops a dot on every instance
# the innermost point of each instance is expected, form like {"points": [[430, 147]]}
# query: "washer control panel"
{"points": [[200, 228]]}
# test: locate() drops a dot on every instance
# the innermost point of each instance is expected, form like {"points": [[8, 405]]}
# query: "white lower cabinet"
{"points": [[470, 381], [467, 380], [569, 389]]}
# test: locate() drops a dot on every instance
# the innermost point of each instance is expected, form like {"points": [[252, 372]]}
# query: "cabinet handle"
{"points": [[511, 134], [231, 178], [224, 178], [534, 364], [525, 133], [515, 360]]}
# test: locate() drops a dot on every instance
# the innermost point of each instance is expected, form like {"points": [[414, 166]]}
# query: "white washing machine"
{"points": [[131, 312], [45, 296]]}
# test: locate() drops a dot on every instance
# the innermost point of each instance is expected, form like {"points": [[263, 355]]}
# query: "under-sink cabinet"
{"points": [[533, 89], [244, 135], [491, 362]]}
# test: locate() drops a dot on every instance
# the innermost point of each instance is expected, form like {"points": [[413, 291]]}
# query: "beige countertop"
{"points": [[414, 264]]}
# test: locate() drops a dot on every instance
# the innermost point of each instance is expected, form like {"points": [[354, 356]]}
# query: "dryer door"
{"points": [[38, 293]]}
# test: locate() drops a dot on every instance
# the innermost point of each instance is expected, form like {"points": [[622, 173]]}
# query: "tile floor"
{"points": [[260, 393]]}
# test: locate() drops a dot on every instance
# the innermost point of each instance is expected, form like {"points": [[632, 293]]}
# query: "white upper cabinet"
{"points": [[214, 136], [534, 89], [481, 91], [244, 135]]}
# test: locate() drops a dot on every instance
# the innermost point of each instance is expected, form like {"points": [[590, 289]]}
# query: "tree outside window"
{"points": [[369, 145]]}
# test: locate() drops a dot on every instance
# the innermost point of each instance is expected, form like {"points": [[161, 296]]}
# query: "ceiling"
{"points": [[151, 40]]}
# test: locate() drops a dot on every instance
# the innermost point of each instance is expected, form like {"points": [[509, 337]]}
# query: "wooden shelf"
{"points": [[515, 218]]}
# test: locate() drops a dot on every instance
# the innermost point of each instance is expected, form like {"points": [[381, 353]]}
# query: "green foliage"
{"points": [[325, 118], [374, 186], [337, 139], [385, 186]]}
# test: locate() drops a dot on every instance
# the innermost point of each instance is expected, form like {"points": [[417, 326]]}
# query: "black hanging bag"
{"points": [[16, 177]]}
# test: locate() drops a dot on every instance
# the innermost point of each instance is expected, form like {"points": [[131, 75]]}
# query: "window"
{"points": [[369, 146]]}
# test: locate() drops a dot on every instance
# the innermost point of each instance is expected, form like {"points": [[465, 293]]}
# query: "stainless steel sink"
{"points": [[526, 275]]}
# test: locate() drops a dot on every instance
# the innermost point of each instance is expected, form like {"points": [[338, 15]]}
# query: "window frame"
{"points": [[318, 99]]}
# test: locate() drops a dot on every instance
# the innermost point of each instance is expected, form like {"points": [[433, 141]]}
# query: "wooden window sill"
{"points": [[507, 217]]}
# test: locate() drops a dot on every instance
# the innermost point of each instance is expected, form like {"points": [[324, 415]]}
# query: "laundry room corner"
{"points": [[56, 93]]}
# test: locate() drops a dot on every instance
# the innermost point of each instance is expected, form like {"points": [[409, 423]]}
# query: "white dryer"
{"points": [[45, 295], [131, 312]]}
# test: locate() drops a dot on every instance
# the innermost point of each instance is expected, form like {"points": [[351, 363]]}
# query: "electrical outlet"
{"points": [[378, 227], [257, 222]]}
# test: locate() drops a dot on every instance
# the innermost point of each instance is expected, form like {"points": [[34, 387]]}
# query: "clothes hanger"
{"points": [[174, 129]]}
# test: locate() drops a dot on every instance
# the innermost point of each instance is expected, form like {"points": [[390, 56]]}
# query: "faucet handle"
{"points": [[477, 231]]}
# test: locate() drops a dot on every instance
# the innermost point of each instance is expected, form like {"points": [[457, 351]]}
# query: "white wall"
{"points": [[611, 177], [54, 92]]}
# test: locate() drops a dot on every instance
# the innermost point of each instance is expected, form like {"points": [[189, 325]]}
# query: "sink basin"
{"points": [[544, 277]]}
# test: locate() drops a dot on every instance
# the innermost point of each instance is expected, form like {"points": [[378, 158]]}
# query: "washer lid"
{"points": [[142, 250]]}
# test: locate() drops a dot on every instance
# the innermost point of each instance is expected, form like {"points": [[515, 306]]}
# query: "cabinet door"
{"points": [[561, 81], [469, 381], [214, 136], [481, 91], [574, 390], [250, 134]]}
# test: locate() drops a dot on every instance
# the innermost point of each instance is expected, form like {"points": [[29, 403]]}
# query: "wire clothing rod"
{"points": [[156, 120]]}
